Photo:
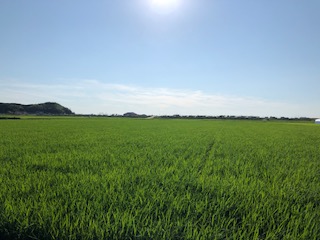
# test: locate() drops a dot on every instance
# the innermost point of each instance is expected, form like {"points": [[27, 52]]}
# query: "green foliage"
{"points": [[110, 178], [50, 108]]}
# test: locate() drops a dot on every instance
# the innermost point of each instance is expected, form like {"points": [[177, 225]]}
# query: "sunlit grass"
{"points": [[159, 179]]}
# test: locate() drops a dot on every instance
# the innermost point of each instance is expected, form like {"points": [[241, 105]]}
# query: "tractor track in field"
{"points": [[209, 149]]}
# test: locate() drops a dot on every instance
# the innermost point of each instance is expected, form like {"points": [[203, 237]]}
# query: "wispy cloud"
{"points": [[93, 96]]}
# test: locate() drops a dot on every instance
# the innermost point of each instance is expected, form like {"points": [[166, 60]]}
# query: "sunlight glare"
{"points": [[164, 6]]}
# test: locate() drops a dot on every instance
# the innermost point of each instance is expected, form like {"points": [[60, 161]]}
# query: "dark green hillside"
{"points": [[42, 108]]}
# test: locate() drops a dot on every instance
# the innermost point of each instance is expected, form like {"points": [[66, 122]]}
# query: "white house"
{"points": [[317, 121]]}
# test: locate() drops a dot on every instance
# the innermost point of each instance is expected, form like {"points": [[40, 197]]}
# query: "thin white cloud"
{"points": [[92, 96]]}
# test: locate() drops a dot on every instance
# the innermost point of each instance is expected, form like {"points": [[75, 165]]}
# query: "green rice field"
{"points": [[118, 178]]}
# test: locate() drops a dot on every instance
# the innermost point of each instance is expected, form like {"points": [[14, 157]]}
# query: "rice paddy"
{"points": [[112, 178]]}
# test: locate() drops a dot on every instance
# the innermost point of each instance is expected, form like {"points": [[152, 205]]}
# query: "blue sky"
{"points": [[208, 57]]}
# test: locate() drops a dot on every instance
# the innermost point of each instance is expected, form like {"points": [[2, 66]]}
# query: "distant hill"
{"points": [[134, 115], [48, 108], [130, 114]]}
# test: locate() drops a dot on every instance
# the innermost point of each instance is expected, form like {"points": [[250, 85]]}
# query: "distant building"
{"points": [[317, 121]]}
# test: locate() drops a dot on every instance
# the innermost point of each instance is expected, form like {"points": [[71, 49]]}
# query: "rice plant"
{"points": [[108, 178]]}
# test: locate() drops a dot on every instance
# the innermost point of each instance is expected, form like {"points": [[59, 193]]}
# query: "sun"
{"points": [[165, 6], [165, 3]]}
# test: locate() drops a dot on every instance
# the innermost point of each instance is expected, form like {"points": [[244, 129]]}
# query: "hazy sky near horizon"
{"points": [[190, 57]]}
